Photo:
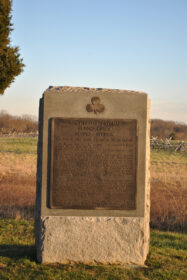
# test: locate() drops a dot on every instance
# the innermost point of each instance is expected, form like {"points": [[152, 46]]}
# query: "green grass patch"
{"points": [[24, 145], [168, 156], [28, 145], [166, 260]]}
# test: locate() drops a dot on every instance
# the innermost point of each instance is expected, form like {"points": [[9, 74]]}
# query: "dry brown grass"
{"points": [[168, 190], [17, 190], [170, 173], [17, 196], [169, 196], [168, 207], [17, 185], [17, 164]]}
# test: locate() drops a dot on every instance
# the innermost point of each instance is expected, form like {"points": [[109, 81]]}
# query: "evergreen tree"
{"points": [[11, 65]]}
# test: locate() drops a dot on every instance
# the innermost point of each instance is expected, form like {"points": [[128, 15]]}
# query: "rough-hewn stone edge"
{"points": [[148, 180], [69, 89], [39, 177], [134, 229]]}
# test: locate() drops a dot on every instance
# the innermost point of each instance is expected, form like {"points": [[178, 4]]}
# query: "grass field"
{"points": [[169, 189], [17, 176], [168, 183], [18, 145], [167, 256], [166, 260]]}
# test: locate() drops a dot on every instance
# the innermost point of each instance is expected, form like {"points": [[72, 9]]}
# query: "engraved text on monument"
{"points": [[93, 164]]}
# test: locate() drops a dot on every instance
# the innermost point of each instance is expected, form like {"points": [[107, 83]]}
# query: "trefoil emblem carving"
{"points": [[95, 105]]}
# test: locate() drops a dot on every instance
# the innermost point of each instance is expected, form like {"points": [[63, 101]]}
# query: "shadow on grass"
{"points": [[18, 251]]}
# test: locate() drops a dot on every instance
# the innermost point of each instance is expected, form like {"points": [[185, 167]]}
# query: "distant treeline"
{"points": [[167, 129], [27, 124], [17, 125]]}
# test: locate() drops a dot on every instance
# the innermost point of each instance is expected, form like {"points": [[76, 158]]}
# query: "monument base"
{"points": [[92, 240]]}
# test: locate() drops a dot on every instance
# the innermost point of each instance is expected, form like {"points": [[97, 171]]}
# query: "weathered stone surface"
{"points": [[94, 240], [93, 236]]}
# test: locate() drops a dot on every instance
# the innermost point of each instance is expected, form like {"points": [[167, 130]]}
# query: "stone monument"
{"points": [[92, 198]]}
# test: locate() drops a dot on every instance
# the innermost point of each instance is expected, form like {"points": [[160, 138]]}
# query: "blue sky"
{"points": [[126, 44]]}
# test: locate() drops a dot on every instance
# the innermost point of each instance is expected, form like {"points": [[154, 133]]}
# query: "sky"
{"points": [[125, 44]]}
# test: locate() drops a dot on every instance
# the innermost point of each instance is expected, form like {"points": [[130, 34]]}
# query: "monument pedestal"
{"points": [[93, 240], [92, 198]]}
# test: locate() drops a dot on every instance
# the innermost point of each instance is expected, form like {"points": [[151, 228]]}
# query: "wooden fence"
{"points": [[168, 144]]}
